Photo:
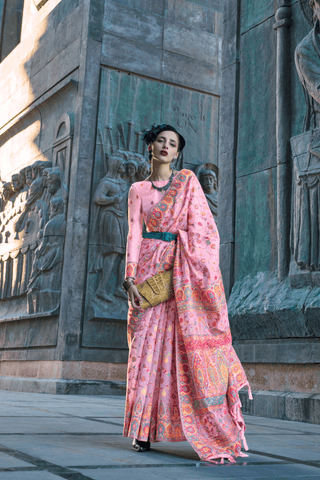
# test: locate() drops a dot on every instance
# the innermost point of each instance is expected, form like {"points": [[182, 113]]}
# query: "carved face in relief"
{"points": [[121, 168], [22, 178], [143, 170], [208, 182], [35, 170], [56, 207], [132, 168], [15, 183], [7, 191], [53, 181], [44, 175], [28, 175]]}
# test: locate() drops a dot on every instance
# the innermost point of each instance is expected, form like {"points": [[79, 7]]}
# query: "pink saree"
{"points": [[183, 373]]}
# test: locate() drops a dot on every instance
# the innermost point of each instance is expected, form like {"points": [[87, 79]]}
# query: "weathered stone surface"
{"points": [[260, 307], [190, 72], [289, 351], [302, 407], [29, 333], [283, 377], [264, 404], [226, 266], [131, 56], [203, 46], [230, 32], [196, 115], [226, 196], [229, 107], [255, 226], [298, 106], [96, 14], [133, 24], [150, 6], [62, 387], [204, 16], [256, 130], [254, 12]]}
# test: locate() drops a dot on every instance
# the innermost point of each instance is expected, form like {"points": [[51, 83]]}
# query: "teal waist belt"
{"points": [[165, 236]]}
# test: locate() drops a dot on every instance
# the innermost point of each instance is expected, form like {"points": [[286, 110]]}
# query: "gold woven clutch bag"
{"points": [[156, 289]]}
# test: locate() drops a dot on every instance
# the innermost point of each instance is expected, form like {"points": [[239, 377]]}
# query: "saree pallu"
{"points": [[183, 373]]}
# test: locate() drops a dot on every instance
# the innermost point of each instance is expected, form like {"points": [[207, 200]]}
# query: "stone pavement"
{"points": [[47, 437]]}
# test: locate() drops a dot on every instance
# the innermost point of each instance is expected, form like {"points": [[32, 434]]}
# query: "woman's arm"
{"points": [[135, 220]]}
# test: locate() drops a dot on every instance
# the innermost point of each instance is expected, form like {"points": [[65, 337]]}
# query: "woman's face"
{"points": [[165, 147]]}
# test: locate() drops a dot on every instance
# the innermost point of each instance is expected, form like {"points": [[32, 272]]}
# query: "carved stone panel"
{"points": [[33, 211], [128, 105], [305, 222], [305, 232]]}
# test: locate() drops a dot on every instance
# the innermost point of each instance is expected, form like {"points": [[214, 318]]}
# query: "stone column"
{"points": [[228, 131], [282, 25]]}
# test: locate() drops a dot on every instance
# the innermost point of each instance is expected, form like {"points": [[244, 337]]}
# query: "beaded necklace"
{"points": [[166, 186]]}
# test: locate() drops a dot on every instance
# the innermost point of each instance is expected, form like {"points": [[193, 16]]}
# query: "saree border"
{"points": [[156, 214]]}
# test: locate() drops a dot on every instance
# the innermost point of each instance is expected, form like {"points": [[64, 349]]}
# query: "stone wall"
{"points": [[273, 302], [86, 79]]}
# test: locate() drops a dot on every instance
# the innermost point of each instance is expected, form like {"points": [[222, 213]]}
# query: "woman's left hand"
{"points": [[134, 297]]}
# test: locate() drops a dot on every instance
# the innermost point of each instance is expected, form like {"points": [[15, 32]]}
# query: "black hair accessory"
{"points": [[150, 135]]}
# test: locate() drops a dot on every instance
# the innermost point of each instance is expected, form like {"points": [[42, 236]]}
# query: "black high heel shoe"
{"points": [[140, 446]]}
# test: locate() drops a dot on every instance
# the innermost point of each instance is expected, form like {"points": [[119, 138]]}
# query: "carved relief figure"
{"points": [[8, 191], [207, 175], [35, 194], [28, 175], [44, 287], [305, 229], [307, 58], [131, 170], [111, 223], [143, 172]]}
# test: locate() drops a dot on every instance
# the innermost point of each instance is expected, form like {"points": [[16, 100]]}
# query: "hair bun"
{"points": [[151, 134]]}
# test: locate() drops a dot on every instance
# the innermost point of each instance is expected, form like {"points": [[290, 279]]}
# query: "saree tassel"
{"points": [[249, 391], [247, 384], [238, 419], [227, 457]]}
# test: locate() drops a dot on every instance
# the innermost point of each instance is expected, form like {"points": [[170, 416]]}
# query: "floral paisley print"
{"points": [[183, 373]]}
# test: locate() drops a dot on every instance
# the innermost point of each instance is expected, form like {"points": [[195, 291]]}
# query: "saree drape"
{"points": [[183, 373]]}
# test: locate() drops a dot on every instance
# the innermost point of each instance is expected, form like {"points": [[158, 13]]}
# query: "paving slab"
{"points": [[44, 437]]}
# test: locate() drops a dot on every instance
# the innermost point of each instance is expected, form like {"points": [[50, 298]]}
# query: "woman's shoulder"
{"points": [[141, 186], [186, 172]]}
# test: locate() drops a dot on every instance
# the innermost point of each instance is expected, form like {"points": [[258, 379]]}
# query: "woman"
{"points": [[183, 373]]}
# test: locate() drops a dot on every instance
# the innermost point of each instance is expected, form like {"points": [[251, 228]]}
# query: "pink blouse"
{"points": [[142, 197]]}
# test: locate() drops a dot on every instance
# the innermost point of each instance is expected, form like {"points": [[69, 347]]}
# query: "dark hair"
{"points": [[150, 135]]}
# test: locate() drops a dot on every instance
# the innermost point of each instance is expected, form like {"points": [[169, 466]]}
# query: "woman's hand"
{"points": [[134, 297]]}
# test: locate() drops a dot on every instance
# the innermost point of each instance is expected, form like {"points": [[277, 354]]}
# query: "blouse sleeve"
{"points": [[135, 220]]}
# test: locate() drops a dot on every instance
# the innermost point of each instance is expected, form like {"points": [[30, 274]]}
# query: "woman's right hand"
{"points": [[134, 297]]}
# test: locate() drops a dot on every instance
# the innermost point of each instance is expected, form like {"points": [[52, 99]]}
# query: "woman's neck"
{"points": [[160, 172]]}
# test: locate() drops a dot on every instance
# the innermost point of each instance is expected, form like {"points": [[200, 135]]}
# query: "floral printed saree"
{"points": [[183, 373]]}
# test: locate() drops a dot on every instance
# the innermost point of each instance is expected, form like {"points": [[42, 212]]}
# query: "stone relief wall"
{"points": [[33, 208], [305, 229], [121, 159]]}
